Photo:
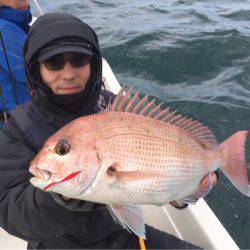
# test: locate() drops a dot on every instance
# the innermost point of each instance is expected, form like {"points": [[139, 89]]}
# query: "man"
{"points": [[15, 17], [64, 71]]}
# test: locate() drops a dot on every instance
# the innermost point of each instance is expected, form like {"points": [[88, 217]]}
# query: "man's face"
{"points": [[66, 73]]}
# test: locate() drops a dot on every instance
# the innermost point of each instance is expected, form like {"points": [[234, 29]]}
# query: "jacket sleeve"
{"points": [[25, 211]]}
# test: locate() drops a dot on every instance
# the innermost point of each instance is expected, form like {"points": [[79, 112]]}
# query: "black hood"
{"points": [[53, 26], [46, 30]]}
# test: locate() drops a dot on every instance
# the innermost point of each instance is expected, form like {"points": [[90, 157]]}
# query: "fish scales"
{"points": [[155, 149]]}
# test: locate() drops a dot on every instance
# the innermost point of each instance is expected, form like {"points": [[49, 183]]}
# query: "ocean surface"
{"points": [[193, 55]]}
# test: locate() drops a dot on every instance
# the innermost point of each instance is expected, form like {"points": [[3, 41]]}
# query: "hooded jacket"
{"points": [[61, 109], [44, 219]]}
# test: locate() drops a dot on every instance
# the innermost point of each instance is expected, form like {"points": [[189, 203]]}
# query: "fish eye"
{"points": [[62, 148]]}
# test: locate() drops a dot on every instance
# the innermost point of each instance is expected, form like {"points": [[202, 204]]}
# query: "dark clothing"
{"points": [[36, 123], [122, 239], [29, 213], [39, 217]]}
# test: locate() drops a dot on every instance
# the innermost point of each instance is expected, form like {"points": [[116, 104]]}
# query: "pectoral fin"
{"points": [[129, 217], [126, 176]]}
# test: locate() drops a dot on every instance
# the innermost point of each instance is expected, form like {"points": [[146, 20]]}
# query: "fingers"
{"points": [[204, 188], [65, 198], [214, 177], [178, 205]]}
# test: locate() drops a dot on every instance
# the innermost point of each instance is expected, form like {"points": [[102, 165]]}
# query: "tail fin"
{"points": [[235, 167]]}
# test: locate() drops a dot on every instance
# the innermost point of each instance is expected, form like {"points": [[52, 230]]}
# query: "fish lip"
{"points": [[41, 174], [46, 174]]}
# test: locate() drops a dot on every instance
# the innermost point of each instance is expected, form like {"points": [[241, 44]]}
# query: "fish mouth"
{"points": [[43, 181], [41, 174], [67, 178]]}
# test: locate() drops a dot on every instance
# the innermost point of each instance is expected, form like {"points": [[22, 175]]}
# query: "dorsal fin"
{"points": [[125, 102]]}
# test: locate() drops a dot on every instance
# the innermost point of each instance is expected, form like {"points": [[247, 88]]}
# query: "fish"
{"points": [[135, 153]]}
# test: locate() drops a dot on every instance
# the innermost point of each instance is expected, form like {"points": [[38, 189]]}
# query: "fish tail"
{"points": [[235, 167]]}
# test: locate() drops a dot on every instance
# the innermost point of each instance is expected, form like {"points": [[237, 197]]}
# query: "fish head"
{"points": [[67, 164]]}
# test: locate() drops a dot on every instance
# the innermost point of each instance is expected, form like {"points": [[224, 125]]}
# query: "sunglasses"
{"points": [[57, 62]]}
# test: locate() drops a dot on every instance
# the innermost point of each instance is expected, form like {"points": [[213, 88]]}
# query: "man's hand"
{"points": [[65, 198], [206, 184], [16, 4]]}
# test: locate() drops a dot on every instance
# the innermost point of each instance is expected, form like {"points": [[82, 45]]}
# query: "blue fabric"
{"points": [[14, 25]]}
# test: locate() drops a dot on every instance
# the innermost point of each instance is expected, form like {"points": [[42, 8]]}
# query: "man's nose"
{"points": [[68, 72]]}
